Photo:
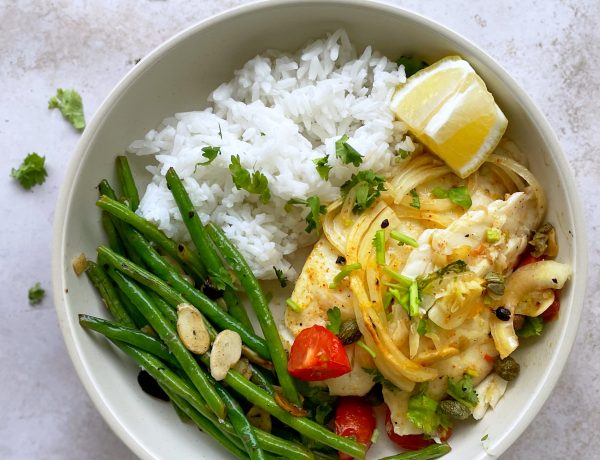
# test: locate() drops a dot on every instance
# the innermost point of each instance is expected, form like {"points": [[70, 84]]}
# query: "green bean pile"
{"points": [[142, 276]]}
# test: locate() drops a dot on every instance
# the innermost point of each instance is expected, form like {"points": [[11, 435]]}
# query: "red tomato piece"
{"points": [[354, 418], [529, 259], [317, 354], [551, 312], [408, 441]]}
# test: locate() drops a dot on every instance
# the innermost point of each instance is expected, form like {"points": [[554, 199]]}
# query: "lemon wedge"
{"points": [[449, 109]]}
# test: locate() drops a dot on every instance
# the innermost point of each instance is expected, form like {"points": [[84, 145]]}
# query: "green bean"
{"points": [[166, 331], [178, 251], [137, 318], [185, 293], [241, 425], [261, 308], [206, 425], [258, 378], [128, 335], [217, 272], [114, 242], [427, 453], [128, 187], [303, 425], [109, 294]]}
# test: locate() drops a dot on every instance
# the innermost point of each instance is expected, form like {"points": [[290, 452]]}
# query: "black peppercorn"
{"points": [[503, 314], [341, 260], [385, 223]]}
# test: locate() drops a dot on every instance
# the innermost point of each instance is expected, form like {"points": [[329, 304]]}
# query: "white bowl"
{"points": [[177, 77]]}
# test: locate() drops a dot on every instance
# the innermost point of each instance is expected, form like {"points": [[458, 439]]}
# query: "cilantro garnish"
{"points": [[280, 276], [458, 195], [68, 101], [458, 266], [210, 153], [313, 218], [334, 315], [368, 186], [415, 201], [343, 273], [403, 154], [411, 65], [36, 294], [462, 390], [532, 327], [346, 152], [31, 172], [253, 183], [423, 413], [378, 378], [323, 167], [422, 327]]}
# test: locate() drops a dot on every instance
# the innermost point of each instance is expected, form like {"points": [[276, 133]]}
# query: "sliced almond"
{"points": [[191, 329], [226, 351]]}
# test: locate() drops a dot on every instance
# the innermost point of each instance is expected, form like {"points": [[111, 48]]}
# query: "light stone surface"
{"points": [[552, 48]]}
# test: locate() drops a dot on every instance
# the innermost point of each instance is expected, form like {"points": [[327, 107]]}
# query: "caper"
{"points": [[503, 314], [507, 368], [495, 283], [349, 332], [454, 409]]}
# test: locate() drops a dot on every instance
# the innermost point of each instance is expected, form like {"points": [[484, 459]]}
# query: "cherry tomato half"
{"points": [[354, 418], [408, 441], [529, 259], [317, 354], [551, 313]]}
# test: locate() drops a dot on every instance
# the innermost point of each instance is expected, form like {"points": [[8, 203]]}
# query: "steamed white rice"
{"points": [[279, 113]]}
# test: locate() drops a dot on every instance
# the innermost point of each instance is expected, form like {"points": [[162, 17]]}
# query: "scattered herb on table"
{"points": [[32, 171], [36, 294], [68, 101]]}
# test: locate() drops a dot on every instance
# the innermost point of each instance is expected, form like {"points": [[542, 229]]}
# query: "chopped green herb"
{"points": [[403, 154], [422, 327], [492, 235], [439, 192], [294, 306], [379, 243], [411, 65], [36, 294], [31, 171], [404, 280], [253, 183], [401, 298], [323, 167], [532, 327], [413, 300], [334, 315], [541, 239], [378, 378], [210, 153], [68, 101], [220, 132], [313, 218], [403, 239], [343, 273], [415, 202], [458, 266], [368, 186], [484, 437], [423, 413], [367, 348], [462, 390], [460, 196], [346, 153], [280, 276]]}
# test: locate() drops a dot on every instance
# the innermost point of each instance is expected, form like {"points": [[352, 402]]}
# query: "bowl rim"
{"points": [[65, 197]]}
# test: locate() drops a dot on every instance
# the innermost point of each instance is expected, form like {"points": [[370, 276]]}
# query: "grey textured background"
{"points": [[552, 48]]}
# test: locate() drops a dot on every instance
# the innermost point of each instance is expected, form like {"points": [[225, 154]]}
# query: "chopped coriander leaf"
{"points": [[343, 273], [31, 171], [68, 101], [323, 167], [378, 378], [379, 243], [439, 192], [255, 183], [403, 154], [413, 300], [460, 196], [532, 327], [346, 153], [36, 294], [367, 348], [422, 327], [280, 276], [415, 201], [210, 153], [294, 306], [403, 279], [334, 315], [458, 266], [492, 235], [463, 391], [401, 298], [313, 218], [368, 186], [484, 437], [403, 239], [411, 65]]}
